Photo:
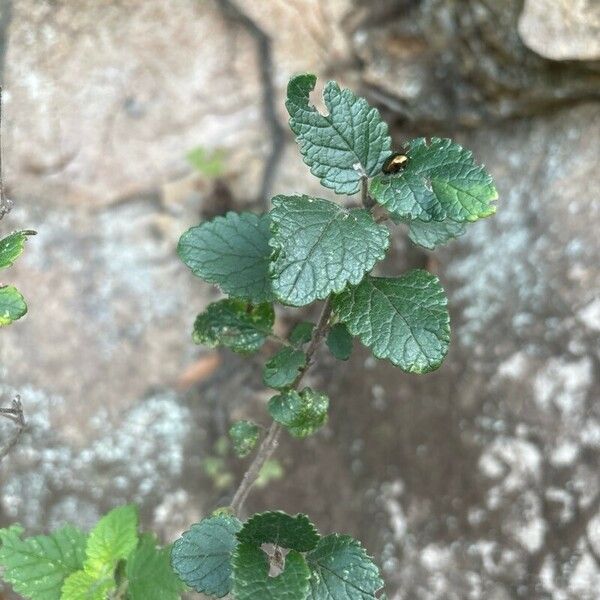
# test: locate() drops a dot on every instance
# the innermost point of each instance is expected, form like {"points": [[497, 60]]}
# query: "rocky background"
{"points": [[480, 481]]}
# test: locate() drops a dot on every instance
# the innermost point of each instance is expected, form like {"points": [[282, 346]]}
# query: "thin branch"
{"points": [[271, 441], [14, 414], [365, 199]]}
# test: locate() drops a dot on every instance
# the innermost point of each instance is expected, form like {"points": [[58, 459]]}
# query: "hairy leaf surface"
{"points": [[277, 527], [441, 181], [233, 252], [341, 570], [301, 413], [321, 247], [434, 233], [202, 556], [403, 319], [351, 141], [234, 324], [252, 580]]}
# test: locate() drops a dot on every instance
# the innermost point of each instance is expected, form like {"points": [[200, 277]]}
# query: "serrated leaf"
{"points": [[342, 570], [252, 580], [350, 141], [434, 233], [302, 333], [202, 556], [86, 586], [149, 573], [339, 341], [11, 247], [12, 305], [113, 538], [244, 436], [281, 529], [234, 324], [36, 567], [441, 181], [403, 319], [301, 413], [283, 367], [321, 247], [233, 252]]}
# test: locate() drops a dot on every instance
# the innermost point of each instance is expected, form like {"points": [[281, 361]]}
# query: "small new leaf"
{"points": [[37, 567], [281, 529], [321, 247], [202, 556], [341, 570], [149, 573], [244, 435], [86, 586], [301, 413], [233, 252], [302, 333], [12, 305], [283, 367], [112, 539], [11, 247], [252, 581], [403, 319], [234, 324], [441, 181], [434, 233], [339, 341], [350, 142]]}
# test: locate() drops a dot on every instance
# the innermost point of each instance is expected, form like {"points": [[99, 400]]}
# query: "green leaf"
{"points": [[202, 556], [233, 252], [87, 586], [244, 436], [252, 580], [302, 333], [235, 324], [402, 319], [113, 538], [434, 233], [149, 573], [321, 247], [351, 141], [283, 367], [209, 164], [341, 570], [339, 341], [11, 247], [12, 305], [441, 181], [36, 567], [302, 413], [281, 529]]}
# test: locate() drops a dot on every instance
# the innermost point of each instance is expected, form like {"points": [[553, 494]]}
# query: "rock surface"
{"points": [[479, 481], [565, 30]]}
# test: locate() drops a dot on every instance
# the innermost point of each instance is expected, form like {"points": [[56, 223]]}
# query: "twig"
{"points": [[365, 199], [271, 441], [14, 414]]}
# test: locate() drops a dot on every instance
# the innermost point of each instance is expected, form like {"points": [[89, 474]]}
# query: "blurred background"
{"points": [[128, 121]]}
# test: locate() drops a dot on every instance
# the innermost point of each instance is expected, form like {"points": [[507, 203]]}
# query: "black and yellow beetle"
{"points": [[395, 163]]}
